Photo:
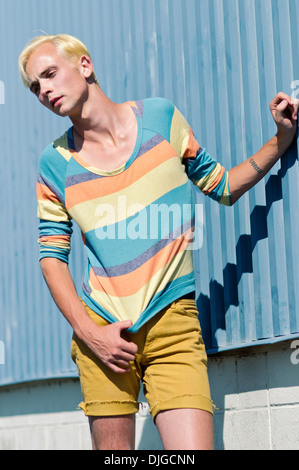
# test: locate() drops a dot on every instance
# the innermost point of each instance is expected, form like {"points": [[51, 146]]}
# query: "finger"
{"points": [[281, 96], [124, 325], [282, 106], [121, 364], [286, 109], [128, 351], [295, 111], [127, 345], [118, 363], [291, 111], [119, 370]]}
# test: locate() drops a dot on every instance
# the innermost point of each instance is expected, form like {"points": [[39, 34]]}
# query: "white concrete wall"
{"points": [[63, 431], [256, 395]]}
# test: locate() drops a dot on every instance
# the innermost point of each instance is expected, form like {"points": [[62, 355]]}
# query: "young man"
{"points": [[112, 172]]}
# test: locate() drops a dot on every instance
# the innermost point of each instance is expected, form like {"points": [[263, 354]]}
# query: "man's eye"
{"points": [[35, 89]]}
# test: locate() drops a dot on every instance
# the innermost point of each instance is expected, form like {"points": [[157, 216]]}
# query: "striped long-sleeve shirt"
{"points": [[137, 221]]}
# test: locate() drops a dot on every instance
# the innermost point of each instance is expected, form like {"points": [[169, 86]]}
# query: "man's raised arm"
{"points": [[244, 176]]}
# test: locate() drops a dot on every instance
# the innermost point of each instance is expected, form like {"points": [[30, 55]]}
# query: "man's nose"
{"points": [[45, 89]]}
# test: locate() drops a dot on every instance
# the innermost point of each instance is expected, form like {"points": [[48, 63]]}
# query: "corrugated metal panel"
{"points": [[220, 62], [250, 291]]}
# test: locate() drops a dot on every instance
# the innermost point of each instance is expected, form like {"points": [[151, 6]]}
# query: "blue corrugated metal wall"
{"points": [[220, 62]]}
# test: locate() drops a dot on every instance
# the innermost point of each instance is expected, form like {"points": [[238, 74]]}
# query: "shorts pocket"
{"points": [[187, 307]]}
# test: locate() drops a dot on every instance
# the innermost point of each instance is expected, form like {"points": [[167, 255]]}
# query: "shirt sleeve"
{"points": [[206, 174], [55, 225]]}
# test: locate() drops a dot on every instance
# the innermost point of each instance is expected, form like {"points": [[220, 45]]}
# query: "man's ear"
{"points": [[86, 66]]}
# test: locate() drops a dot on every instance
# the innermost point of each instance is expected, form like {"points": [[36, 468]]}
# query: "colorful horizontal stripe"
{"points": [[137, 221]]}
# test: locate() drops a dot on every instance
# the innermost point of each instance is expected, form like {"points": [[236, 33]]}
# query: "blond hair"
{"points": [[70, 46]]}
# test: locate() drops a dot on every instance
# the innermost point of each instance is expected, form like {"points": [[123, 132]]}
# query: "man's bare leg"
{"points": [[186, 429], [112, 432]]}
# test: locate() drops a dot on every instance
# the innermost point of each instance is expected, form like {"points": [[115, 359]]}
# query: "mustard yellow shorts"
{"points": [[171, 363]]}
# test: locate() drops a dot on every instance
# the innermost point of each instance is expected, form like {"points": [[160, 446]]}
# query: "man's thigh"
{"points": [[186, 429], [175, 361], [112, 432]]}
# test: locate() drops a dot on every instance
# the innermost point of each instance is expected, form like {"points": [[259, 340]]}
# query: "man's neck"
{"points": [[103, 124], [99, 119]]}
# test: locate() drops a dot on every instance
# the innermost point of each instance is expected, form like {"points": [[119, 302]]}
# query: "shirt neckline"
{"points": [[116, 171]]}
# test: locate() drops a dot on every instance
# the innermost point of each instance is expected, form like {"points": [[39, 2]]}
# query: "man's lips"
{"points": [[55, 101]]}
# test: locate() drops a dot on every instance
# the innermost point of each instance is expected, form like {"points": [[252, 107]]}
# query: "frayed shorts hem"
{"points": [[98, 408], [198, 402]]}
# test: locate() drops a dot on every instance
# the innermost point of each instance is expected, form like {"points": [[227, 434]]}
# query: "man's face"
{"points": [[59, 84]]}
